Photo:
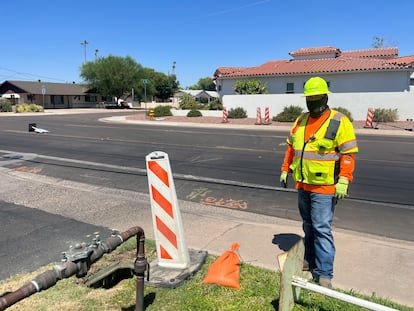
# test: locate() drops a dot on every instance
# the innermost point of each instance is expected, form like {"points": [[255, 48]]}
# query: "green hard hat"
{"points": [[315, 86]]}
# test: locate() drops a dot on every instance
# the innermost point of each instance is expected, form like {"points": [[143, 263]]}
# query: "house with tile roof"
{"points": [[199, 95], [51, 95], [354, 71], [358, 79]]}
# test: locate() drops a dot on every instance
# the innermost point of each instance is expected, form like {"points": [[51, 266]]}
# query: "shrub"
{"points": [[289, 114], [5, 105], [35, 108], [216, 104], [203, 100], [188, 102], [162, 111], [345, 112], [28, 108], [250, 87], [385, 115], [237, 113], [194, 113]]}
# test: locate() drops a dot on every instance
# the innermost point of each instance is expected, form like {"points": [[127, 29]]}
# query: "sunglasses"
{"points": [[314, 97]]}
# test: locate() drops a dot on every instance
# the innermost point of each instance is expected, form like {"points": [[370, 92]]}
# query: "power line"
{"points": [[19, 73]]}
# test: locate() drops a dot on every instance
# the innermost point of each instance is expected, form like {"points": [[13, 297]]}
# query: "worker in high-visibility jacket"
{"points": [[320, 155]]}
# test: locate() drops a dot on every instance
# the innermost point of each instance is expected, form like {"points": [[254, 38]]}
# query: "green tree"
{"points": [[187, 101], [165, 86], [147, 90], [205, 84], [112, 75], [250, 87]]}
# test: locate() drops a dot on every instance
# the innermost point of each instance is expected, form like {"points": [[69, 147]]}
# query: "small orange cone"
{"points": [[225, 270]]}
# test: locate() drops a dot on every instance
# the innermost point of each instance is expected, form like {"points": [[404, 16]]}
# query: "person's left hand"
{"points": [[341, 188], [283, 179]]}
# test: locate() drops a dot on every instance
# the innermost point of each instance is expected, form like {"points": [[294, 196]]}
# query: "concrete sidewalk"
{"points": [[365, 264]]}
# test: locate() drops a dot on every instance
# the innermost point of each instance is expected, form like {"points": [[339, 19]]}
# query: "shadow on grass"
{"points": [[148, 300]]}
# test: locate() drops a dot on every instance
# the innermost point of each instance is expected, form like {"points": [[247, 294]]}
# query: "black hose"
{"points": [[49, 278]]}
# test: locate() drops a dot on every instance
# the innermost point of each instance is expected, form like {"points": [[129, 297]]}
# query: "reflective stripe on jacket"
{"points": [[316, 161]]}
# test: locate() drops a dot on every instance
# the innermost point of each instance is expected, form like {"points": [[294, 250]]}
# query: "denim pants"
{"points": [[317, 212]]}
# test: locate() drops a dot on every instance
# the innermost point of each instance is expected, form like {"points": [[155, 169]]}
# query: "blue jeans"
{"points": [[317, 212]]}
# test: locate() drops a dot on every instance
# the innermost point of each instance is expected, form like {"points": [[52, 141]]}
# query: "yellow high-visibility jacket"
{"points": [[316, 161]]}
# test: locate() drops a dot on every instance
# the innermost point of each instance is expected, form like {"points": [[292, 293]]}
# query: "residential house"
{"points": [[358, 80], [200, 96], [354, 71], [51, 95]]}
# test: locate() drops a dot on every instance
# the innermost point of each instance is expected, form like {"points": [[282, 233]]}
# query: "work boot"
{"points": [[305, 265], [325, 282]]}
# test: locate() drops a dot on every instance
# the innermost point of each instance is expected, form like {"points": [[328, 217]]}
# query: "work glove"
{"points": [[283, 179], [341, 188]]}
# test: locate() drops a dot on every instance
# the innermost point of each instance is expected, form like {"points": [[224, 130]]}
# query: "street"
{"points": [[236, 169]]}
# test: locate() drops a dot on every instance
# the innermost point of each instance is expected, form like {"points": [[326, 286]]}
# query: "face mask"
{"points": [[317, 107]]}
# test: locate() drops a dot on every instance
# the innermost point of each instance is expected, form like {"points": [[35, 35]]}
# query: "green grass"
{"points": [[259, 291]]}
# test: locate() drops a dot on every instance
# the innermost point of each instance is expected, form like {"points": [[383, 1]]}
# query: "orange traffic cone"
{"points": [[258, 116], [225, 116], [225, 270], [369, 119], [267, 117]]}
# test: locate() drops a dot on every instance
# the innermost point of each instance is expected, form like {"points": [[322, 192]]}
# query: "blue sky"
{"points": [[42, 39]]}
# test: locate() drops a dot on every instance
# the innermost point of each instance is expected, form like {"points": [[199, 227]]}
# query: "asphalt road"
{"points": [[383, 168], [232, 168], [30, 237]]}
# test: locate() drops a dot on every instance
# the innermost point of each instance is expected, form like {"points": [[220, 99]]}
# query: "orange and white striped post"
{"points": [[258, 116], [267, 116], [225, 116], [172, 251], [370, 118]]}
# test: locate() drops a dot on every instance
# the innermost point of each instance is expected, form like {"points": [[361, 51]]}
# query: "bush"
{"points": [[216, 104], [237, 113], [289, 114], [188, 102], [203, 100], [345, 112], [194, 113], [5, 105], [28, 108], [385, 115], [162, 111]]}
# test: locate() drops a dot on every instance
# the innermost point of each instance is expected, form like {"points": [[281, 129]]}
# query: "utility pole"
{"points": [[84, 43]]}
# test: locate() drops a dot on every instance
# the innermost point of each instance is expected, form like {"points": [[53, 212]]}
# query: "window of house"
{"points": [[290, 88], [109, 98], [90, 99], [56, 99]]}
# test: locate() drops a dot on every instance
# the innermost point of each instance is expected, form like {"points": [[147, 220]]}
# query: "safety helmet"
{"points": [[315, 86]]}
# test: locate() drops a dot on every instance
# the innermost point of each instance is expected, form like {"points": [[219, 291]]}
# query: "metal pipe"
{"points": [[303, 283], [79, 265], [140, 266]]}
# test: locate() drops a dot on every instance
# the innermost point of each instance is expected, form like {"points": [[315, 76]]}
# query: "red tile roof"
{"points": [[317, 50], [405, 60], [335, 61], [372, 53]]}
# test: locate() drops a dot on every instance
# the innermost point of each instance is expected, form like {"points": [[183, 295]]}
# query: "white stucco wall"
{"points": [[355, 82], [356, 103]]}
